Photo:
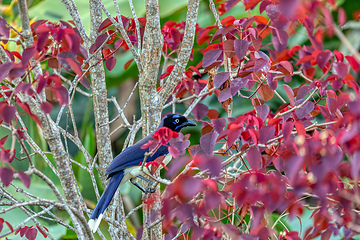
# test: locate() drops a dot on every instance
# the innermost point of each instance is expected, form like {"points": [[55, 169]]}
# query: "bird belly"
{"points": [[132, 173]]}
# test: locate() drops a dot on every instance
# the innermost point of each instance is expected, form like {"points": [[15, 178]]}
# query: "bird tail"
{"points": [[105, 200]]}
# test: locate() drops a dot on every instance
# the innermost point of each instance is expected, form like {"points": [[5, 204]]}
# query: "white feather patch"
{"points": [[94, 223]]}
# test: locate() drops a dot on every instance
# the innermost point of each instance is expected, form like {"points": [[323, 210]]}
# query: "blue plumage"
{"points": [[125, 166]]}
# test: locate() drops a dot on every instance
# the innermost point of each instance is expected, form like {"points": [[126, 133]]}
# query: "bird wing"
{"points": [[133, 156]]}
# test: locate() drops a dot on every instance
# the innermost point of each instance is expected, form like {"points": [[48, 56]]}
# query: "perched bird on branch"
{"points": [[126, 166]]}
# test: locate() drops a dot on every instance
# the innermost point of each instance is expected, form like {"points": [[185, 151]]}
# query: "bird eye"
{"points": [[177, 120]]}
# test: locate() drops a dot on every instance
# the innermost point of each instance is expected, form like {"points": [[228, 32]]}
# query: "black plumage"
{"points": [[125, 166]]}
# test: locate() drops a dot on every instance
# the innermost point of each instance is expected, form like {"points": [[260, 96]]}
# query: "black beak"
{"points": [[188, 123]]}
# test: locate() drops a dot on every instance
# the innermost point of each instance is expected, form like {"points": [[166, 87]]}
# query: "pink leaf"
{"points": [[24, 178], [254, 158], [31, 234], [262, 111], [290, 94], [85, 82], [110, 63], [287, 65], [220, 78], [241, 47], [218, 124], [6, 176], [62, 95], [210, 57], [46, 107], [8, 113], [266, 133], [305, 109], [270, 80], [41, 84], [331, 104], [237, 84], [287, 129], [341, 69], [207, 142], [233, 135], [26, 55], [4, 69], [341, 16], [322, 58], [355, 165], [260, 64], [100, 40], [200, 111], [173, 151], [224, 95]]}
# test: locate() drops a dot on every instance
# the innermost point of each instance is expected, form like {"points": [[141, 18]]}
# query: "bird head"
{"points": [[176, 122]]}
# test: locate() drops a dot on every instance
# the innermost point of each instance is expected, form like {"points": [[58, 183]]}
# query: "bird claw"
{"points": [[149, 189]]}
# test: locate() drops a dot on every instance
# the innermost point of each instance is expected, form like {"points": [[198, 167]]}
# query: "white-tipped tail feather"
{"points": [[94, 223]]}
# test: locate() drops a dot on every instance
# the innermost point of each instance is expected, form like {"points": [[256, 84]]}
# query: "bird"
{"points": [[126, 166]]}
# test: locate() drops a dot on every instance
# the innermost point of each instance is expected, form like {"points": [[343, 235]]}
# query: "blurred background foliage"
{"points": [[120, 82]]}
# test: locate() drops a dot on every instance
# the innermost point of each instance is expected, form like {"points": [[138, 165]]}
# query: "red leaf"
{"points": [[254, 158], [9, 226], [251, 4], [127, 64], [339, 56], [24, 178], [304, 59], [266, 93], [233, 135], [8, 113], [212, 114], [300, 129], [353, 63], [110, 63], [2, 142], [46, 107], [195, 70], [45, 234], [6, 176], [210, 57]]}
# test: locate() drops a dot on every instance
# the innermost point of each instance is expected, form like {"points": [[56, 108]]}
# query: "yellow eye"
{"points": [[177, 120]]}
